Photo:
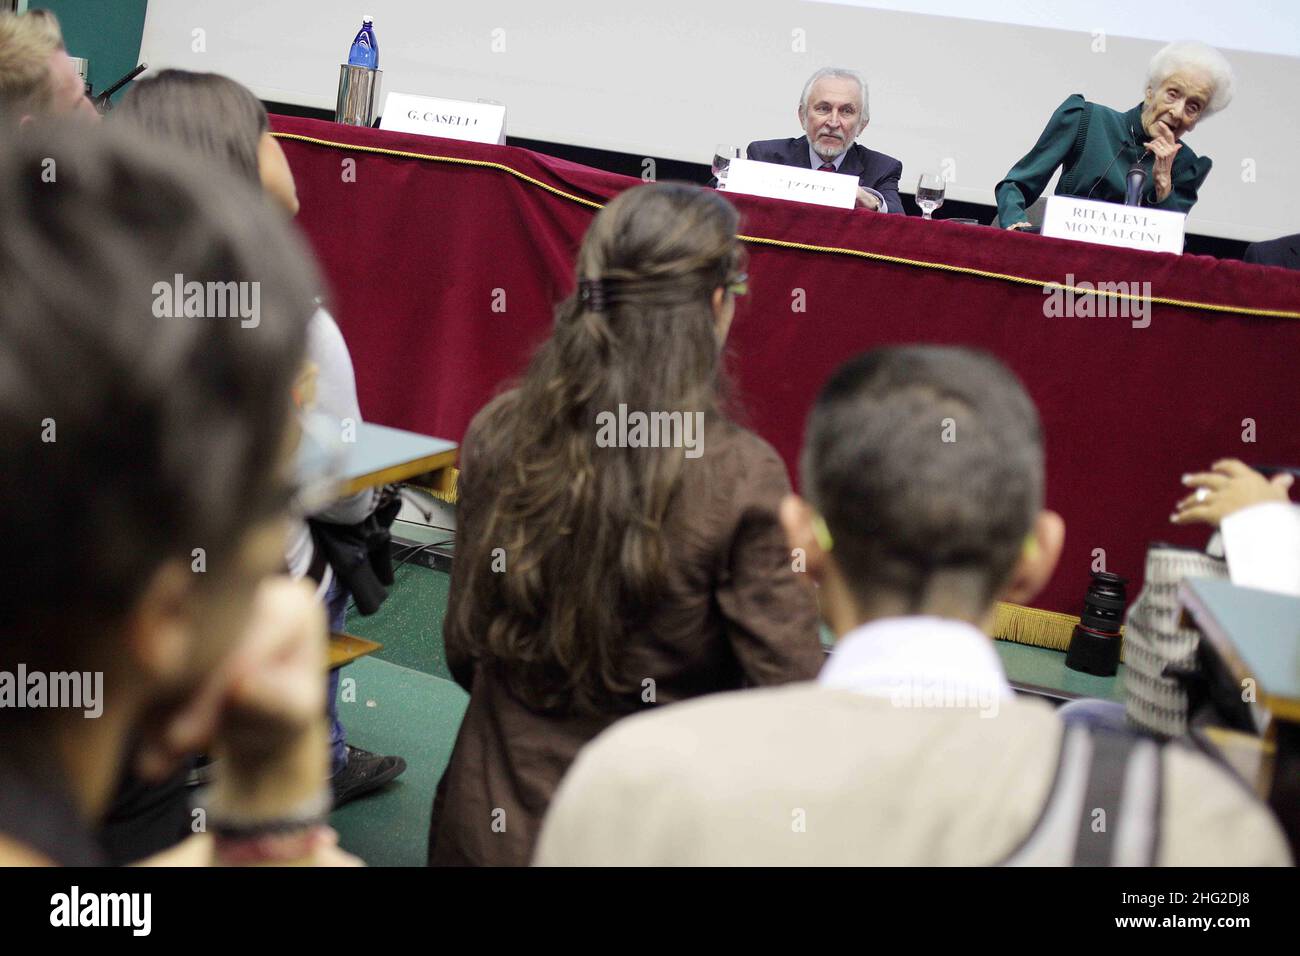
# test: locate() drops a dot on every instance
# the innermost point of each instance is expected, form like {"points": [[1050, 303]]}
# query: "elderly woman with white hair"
{"points": [[1096, 146]]}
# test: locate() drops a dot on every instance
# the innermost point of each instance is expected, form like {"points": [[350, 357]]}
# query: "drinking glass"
{"points": [[722, 157], [929, 193]]}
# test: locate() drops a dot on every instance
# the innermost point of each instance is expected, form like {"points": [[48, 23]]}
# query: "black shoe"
{"points": [[364, 772]]}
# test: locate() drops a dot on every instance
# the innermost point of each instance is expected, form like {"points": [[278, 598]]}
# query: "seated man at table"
{"points": [[833, 112], [910, 749], [1284, 252]]}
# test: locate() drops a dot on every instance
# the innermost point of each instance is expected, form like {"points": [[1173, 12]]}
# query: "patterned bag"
{"points": [[1155, 640]]}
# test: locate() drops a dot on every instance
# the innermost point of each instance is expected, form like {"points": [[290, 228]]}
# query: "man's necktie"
{"points": [[826, 168]]}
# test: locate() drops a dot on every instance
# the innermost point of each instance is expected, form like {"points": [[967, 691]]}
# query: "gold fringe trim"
{"points": [[1036, 627], [808, 247], [445, 488]]}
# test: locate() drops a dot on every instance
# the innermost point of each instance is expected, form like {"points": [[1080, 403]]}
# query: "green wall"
{"points": [[106, 32]]}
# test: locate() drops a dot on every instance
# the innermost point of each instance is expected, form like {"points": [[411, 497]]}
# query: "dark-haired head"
{"points": [[205, 112], [925, 464], [142, 448]]}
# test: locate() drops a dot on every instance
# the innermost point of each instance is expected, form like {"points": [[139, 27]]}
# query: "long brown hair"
{"points": [[582, 526]]}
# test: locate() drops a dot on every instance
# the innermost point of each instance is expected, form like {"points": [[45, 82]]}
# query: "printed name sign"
{"points": [[752, 178], [450, 119], [1109, 224]]}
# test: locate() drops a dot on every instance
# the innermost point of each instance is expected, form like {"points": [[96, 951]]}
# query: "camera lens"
{"points": [[1103, 605]]}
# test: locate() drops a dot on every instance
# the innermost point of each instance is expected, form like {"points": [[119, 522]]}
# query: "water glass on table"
{"points": [[722, 157], [929, 193]]}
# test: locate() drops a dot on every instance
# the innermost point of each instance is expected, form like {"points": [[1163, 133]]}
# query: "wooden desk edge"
{"points": [[400, 472], [1282, 708], [346, 648]]}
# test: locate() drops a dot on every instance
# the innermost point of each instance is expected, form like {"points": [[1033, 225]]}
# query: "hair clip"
{"points": [[591, 293], [822, 533]]}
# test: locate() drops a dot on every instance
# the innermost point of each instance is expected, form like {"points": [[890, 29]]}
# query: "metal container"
{"points": [[358, 95], [83, 71]]}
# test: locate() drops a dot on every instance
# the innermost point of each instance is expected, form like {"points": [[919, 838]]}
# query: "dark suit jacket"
{"points": [[734, 613], [1284, 252], [875, 170]]}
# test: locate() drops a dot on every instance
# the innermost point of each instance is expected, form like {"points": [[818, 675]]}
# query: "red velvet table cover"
{"points": [[446, 258]]}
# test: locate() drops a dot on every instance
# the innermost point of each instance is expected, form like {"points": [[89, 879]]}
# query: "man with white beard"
{"points": [[833, 112]]}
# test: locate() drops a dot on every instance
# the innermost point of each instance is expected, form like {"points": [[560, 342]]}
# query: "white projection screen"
{"points": [[962, 87]]}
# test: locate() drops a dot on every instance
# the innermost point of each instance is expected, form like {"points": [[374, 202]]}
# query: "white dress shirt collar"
{"points": [[919, 661]]}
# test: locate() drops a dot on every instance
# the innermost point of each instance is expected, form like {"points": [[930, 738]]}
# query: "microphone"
{"points": [[104, 101], [1137, 180]]}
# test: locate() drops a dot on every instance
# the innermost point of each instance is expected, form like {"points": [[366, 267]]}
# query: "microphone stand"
{"points": [[104, 101], [1137, 181]]}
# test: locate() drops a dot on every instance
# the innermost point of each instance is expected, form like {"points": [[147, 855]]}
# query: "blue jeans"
{"points": [[1102, 714], [336, 606]]}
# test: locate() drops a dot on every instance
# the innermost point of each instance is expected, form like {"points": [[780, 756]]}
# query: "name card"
{"points": [[450, 119], [752, 178], [1109, 224]]}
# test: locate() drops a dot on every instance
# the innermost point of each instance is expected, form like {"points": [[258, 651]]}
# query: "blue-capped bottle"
{"points": [[365, 48]]}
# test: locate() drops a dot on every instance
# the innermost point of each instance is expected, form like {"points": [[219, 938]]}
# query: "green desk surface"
{"points": [[379, 448], [1041, 670], [379, 455], [1256, 631]]}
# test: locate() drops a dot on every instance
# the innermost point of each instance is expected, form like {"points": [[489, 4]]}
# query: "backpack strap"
{"points": [[1114, 772], [1124, 784]]}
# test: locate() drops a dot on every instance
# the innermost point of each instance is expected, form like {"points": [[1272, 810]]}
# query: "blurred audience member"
{"points": [[1260, 525], [162, 445], [37, 77], [219, 118]]}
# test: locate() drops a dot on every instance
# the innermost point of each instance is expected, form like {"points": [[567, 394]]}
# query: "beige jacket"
{"points": [[806, 775]]}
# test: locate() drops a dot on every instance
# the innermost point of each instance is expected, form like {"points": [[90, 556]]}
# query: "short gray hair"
{"points": [[837, 73], [1190, 54]]}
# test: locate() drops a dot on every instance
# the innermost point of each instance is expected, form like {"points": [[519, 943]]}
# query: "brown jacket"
{"points": [[734, 614]]}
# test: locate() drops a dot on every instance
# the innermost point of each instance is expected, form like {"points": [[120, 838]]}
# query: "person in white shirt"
{"points": [[1259, 524], [923, 475], [219, 119]]}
